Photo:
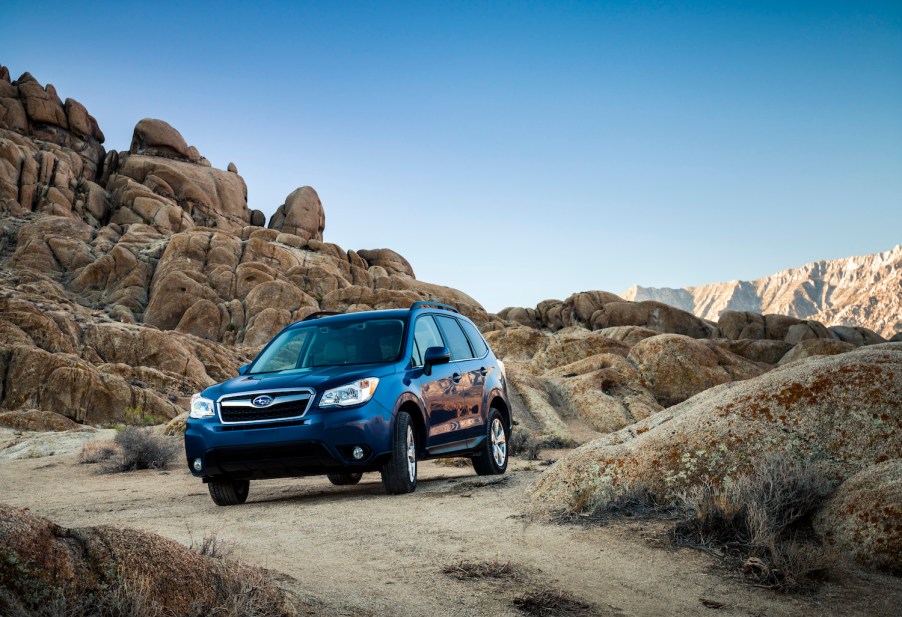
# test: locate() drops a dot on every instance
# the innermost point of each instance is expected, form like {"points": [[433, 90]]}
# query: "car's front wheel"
{"points": [[399, 475], [344, 479], [491, 459], [227, 492]]}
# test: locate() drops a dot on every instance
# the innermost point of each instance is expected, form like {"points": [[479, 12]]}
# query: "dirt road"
{"points": [[357, 550]]}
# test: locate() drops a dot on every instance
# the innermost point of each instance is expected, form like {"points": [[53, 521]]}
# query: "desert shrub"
{"points": [[546, 602], [556, 442], [140, 449], [480, 569], [97, 451], [522, 443], [633, 501], [762, 523], [211, 545]]}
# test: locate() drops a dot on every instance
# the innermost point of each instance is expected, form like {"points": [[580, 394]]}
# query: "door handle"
{"points": [[455, 377], [484, 371]]}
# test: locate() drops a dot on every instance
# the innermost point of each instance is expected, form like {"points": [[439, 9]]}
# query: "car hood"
{"points": [[318, 378]]}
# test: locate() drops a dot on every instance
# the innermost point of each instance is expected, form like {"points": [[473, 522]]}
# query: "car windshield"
{"points": [[364, 341]]}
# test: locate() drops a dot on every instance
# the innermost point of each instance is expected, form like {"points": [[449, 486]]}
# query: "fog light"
{"points": [[198, 464], [357, 453]]}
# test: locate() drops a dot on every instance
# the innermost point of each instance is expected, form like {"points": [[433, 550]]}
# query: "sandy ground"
{"points": [[356, 550]]}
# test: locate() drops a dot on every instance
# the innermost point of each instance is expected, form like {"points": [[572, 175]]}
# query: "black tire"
{"points": [[491, 460], [228, 492], [344, 479], [399, 474]]}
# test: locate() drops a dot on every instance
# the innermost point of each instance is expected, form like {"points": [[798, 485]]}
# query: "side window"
{"points": [[476, 340], [457, 340], [425, 335]]}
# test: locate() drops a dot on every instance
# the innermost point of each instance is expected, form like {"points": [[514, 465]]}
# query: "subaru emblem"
{"points": [[262, 401]]}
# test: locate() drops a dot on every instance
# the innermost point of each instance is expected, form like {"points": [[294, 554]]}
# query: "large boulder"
{"points": [[815, 347], [839, 412], [806, 330], [856, 335], [652, 315], [737, 325], [392, 262], [158, 138], [517, 343], [630, 335], [578, 309], [677, 367], [864, 517], [519, 315], [302, 214]]}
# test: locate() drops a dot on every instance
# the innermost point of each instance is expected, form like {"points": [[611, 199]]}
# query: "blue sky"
{"points": [[519, 150]]}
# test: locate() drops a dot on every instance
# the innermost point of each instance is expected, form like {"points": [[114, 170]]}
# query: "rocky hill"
{"points": [[864, 290], [131, 279]]}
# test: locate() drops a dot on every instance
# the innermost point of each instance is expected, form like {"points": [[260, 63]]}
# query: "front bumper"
{"points": [[320, 442]]}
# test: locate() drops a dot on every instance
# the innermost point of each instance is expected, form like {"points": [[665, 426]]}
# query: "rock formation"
{"points": [[840, 412], [856, 291]]}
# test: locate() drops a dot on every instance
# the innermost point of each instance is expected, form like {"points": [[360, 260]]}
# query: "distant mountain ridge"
{"points": [[861, 290]]}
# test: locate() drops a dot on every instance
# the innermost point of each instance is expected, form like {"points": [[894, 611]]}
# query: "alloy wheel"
{"points": [[499, 442]]}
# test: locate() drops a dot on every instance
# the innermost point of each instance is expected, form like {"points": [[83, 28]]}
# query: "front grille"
{"points": [[286, 405]]}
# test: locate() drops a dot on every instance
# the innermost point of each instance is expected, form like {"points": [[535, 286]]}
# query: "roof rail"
{"points": [[447, 307], [319, 314]]}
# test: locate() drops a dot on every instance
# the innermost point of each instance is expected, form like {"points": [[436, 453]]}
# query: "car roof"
{"points": [[374, 314]]}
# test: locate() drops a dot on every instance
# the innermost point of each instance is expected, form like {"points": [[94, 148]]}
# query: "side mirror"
{"points": [[243, 369], [434, 356]]}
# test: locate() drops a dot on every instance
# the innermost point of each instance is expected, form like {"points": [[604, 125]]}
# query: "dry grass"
{"points": [[551, 602], [211, 545], [762, 523], [140, 449], [637, 501], [97, 451], [480, 569]]}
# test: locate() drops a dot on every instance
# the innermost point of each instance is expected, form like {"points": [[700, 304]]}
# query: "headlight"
{"points": [[350, 394], [201, 407]]}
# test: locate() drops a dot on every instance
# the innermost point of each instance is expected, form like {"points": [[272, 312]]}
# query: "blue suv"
{"points": [[345, 394]]}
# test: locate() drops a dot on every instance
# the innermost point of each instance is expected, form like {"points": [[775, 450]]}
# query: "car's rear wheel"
{"points": [[399, 475], [492, 457], [344, 479], [227, 492]]}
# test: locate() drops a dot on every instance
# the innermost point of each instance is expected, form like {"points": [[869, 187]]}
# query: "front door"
{"points": [[469, 379], [442, 390]]}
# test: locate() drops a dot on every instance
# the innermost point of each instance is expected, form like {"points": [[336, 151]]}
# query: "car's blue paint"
{"points": [[448, 412]]}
